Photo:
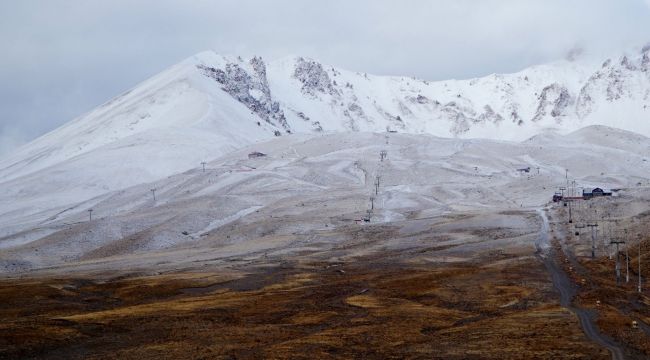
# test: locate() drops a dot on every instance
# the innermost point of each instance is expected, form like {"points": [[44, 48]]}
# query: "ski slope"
{"points": [[312, 183]]}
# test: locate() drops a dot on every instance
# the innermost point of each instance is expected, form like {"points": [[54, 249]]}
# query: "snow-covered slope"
{"points": [[178, 103], [309, 185], [210, 105], [167, 124]]}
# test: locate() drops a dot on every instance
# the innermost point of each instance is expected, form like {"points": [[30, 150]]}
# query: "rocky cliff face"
{"points": [[250, 87], [554, 101], [314, 78], [625, 79], [300, 94]]}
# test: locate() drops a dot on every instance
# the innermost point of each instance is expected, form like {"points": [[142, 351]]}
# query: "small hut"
{"points": [[256, 154]]}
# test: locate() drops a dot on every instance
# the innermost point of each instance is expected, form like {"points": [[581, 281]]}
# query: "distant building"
{"points": [[256, 154], [595, 193]]}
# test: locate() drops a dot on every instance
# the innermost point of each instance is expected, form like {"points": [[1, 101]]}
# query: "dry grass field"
{"points": [[364, 309]]}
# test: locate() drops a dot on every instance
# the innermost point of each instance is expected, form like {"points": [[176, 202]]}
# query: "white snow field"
{"points": [[323, 129], [308, 191]]}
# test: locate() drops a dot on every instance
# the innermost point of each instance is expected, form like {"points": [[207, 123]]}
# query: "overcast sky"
{"points": [[60, 59]]}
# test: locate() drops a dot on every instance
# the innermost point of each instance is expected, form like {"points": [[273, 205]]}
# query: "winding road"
{"points": [[567, 290]]}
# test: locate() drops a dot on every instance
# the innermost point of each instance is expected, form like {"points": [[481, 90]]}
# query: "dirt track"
{"points": [[612, 306], [567, 291]]}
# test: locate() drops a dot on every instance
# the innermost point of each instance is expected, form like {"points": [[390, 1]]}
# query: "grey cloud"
{"points": [[62, 58]]}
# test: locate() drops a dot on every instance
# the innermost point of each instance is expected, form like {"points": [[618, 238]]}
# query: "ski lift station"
{"points": [[596, 192], [586, 195]]}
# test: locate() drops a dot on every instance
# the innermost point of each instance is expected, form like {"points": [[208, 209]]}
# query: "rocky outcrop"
{"points": [[313, 77], [489, 115], [251, 89], [554, 100]]}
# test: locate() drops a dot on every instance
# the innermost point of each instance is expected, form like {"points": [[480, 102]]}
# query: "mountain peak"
{"points": [[210, 104]]}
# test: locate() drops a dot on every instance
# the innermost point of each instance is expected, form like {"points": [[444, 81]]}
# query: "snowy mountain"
{"points": [[302, 95], [210, 105], [239, 101]]}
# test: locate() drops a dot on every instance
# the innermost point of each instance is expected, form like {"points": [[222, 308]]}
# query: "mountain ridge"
{"points": [[300, 94], [209, 105]]}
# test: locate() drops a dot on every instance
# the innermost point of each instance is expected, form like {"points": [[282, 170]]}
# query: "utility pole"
{"points": [[566, 176], [90, 214], [377, 185], [203, 163], [618, 263], [609, 227], [627, 260], [574, 189], [372, 203], [153, 192], [594, 235], [570, 215], [639, 259], [538, 170], [606, 221]]}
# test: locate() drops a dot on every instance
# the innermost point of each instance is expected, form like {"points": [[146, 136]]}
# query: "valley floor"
{"points": [[491, 298]]}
